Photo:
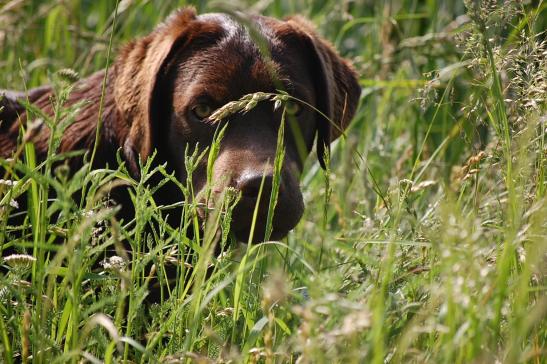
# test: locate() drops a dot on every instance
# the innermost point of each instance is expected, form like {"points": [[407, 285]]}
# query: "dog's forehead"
{"points": [[229, 25], [234, 63], [241, 26], [222, 80]]}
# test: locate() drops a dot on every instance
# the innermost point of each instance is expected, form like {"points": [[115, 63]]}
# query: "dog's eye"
{"points": [[202, 111], [293, 107]]}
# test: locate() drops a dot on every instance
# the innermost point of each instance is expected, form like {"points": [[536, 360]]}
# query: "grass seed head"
{"points": [[68, 75], [19, 260]]}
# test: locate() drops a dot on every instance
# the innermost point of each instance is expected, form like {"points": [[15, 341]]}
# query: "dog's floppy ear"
{"points": [[336, 86], [137, 72]]}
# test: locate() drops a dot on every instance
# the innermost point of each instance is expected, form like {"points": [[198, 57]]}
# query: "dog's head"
{"points": [[170, 82]]}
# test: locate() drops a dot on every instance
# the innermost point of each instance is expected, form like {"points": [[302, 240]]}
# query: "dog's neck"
{"points": [[81, 133]]}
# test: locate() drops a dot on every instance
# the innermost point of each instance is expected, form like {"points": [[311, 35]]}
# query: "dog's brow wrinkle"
{"points": [[287, 82]]}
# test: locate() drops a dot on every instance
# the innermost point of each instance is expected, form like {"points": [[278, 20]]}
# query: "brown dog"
{"points": [[163, 88]]}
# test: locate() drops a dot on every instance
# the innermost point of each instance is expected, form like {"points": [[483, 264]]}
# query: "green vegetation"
{"points": [[424, 242]]}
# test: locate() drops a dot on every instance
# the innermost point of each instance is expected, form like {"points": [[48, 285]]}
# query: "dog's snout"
{"points": [[249, 184]]}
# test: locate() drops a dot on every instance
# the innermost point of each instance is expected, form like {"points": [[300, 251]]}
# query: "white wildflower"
{"points": [[114, 263]]}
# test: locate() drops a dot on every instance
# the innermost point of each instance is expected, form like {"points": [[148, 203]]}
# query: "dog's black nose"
{"points": [[249, 185], [288, 209]]}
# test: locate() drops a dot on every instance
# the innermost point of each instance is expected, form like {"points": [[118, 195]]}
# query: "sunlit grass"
{"points": [[423, 241]]}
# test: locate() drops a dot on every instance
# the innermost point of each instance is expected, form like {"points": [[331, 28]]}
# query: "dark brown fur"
{"points": [[157, 80]]}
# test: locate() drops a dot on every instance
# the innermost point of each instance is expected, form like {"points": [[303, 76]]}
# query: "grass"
{"points": [[425, 240]]}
